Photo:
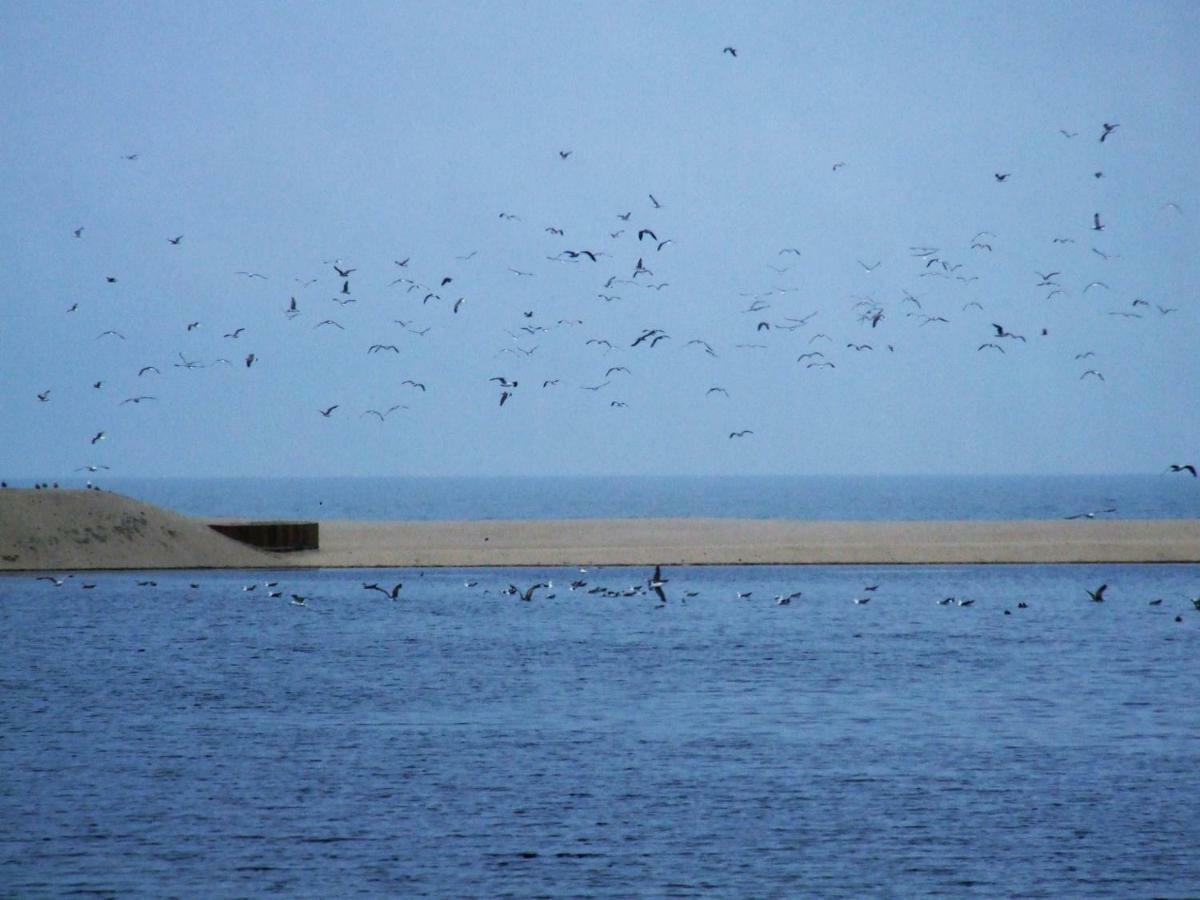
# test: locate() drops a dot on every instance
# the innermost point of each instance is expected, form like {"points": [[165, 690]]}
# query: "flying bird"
{"points": [[527, 594], [732, 51], [1108, 129], [328, 412], [738, 434], [1184, 467], [1098, 594]]}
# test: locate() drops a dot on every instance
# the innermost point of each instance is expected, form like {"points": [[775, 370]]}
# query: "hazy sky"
{"points": [[285, 139]]}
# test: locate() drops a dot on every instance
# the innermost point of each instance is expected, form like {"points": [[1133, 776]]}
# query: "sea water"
{"points": [[766, 497], [193, 737]]}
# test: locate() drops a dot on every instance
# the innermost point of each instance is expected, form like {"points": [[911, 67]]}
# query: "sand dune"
{"points": [[61, 530]]}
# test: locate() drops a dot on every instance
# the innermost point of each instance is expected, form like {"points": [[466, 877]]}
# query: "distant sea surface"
{"points": [[1167, 496]]}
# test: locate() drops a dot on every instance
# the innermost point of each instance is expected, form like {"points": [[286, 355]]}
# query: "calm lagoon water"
{"points": [[208, 740]]}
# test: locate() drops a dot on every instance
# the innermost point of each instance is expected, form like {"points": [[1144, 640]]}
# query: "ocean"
{"points": [[189, 736], [765, 497]]}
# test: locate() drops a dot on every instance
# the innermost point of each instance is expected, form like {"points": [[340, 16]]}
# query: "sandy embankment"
{"points": [[64, 530], [93, 530]]}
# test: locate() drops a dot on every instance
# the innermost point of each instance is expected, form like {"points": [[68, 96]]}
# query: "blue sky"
{"points": [[286, 139]]}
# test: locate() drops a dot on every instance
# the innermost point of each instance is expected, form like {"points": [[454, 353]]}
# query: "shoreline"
{"points": [[92, 531]]}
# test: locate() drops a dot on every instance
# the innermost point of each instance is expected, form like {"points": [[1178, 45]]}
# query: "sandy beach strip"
{"points": [[749, 541], [88, 530]]}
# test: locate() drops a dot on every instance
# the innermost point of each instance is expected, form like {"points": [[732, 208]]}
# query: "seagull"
{"points": [[657, 205], [1001, 176], [1098, 594], [563, 154], [44, 396], [144, 369], [1067, 134], [716, 390], [872, 267], [1096, 226], [732, 51], [1000, 332], [394, 593], [738, 434], [91, 468], [328, 412], [100, 435], [175, 240], [526, 595], [1108, 129], [1184, 467], [135, 400], [1091, 372], [656, 583], [79, 231], [236, 333]]}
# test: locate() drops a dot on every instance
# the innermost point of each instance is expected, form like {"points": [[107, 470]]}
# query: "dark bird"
{"points": [[731, 51], [1000, 332], [1184, 467], [415, 384], [343, 273], [656, 583], [175, 240], [563, 154], [1108, 129], [110, 331], [526, 595], [235, 333], [135, 400], [392, 594], [646, 231], [100, 435], [1096, 226], [79, 231], [504, 382], [328, 322], [328, 412], [657, 205], [144, 369], [716, 390], [1098, 594], [110, 279], [250, 358], [1001, 176], [1067, 134], [738, 434]]}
